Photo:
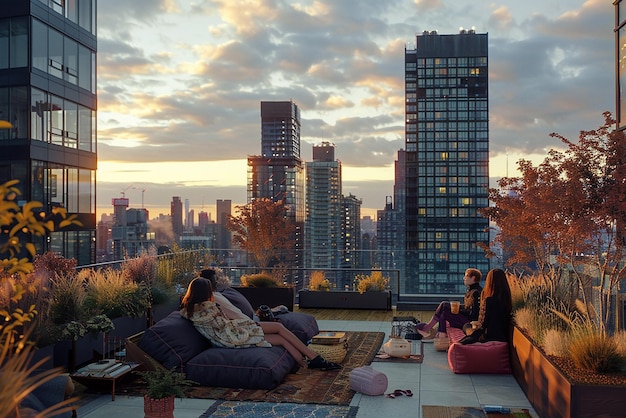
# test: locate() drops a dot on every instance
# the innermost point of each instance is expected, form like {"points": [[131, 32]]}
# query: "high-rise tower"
{"points": [[176, 213], [324, 214], [48, 96], [278, 173], [447, 160]]}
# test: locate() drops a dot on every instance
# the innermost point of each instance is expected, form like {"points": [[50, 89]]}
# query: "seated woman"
{"points": [[198, 305], [495, 308], [467, 313]]}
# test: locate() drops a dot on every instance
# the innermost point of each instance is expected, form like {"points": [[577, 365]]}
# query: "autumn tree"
{"points": [[569, 211], [262, 228]]}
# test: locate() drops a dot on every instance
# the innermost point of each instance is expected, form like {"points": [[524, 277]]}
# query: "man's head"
{"points": [[209, 274], [472, 276]]}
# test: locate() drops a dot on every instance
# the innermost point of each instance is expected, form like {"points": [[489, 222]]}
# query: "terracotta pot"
{"points": [[158, 408]]}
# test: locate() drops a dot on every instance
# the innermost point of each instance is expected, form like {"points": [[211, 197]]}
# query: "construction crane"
{"points": [[123, 192]]}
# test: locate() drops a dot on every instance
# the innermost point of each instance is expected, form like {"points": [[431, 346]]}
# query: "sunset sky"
{"points": [[180, 85]]}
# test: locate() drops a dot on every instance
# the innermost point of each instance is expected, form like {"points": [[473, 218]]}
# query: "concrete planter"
{"points": [[552, 394], [344, 300]]}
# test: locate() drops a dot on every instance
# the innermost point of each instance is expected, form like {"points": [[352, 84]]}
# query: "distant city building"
{"points": [[390, 225], [447, 160], [224, 237], [203, 220], [278, 173], [324, 210], [48, 96], [351, 235], [130, 233], [190, 217], [176, 212]]}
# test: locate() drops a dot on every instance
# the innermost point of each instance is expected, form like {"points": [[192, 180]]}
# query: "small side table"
{"points": [[91, 379]]}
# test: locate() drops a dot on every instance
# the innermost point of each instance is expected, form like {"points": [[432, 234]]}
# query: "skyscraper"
{"points": [[176, 212], [447, 159], [323, 235], [224, 236], [48, 95], [278, 173]]}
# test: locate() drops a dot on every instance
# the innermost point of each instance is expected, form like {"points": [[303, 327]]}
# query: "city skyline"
{"points": [[178, 109]]}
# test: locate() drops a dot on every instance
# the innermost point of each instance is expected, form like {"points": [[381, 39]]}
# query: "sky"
{"points": [[180, 85]]}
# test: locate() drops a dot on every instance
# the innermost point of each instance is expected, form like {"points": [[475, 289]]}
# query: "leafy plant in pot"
{"points": [[162, 386]]}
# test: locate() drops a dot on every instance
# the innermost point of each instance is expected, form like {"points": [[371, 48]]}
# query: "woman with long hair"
{"points": [[495, 307], [199, 307]]}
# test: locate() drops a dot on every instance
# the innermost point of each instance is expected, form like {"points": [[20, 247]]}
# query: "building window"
{"points": [[13, 43]]}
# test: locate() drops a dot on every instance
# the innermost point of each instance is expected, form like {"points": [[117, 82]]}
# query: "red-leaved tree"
{"points": [[262, 228], [568, 212]]}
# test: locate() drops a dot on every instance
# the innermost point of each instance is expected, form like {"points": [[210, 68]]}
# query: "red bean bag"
{"points": [[491, 357]]}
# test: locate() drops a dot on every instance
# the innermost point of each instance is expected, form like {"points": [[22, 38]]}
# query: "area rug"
{"points": [[305, 386], [430, 411], [277, 410]]}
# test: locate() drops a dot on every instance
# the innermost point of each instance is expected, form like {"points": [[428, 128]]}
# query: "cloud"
{"points": [[181, 81]]}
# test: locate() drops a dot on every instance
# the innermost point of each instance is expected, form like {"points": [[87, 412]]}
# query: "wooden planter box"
{"points": [[552, 394], [270, 296], [344, 300]]}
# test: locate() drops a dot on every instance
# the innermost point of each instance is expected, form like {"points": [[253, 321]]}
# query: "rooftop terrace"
{"points": [[432, 382]]}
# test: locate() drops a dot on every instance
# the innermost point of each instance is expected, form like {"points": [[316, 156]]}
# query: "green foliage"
{"points": [[110, 292], [67, 298], [260, 280], [375, 282], [163, 383]]}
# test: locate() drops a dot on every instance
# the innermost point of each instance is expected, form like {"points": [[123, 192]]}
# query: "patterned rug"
{"points": [[305, 386], [430, 411], [277, 410]]}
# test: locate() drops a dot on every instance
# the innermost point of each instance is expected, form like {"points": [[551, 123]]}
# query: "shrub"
{"points": [[222, 280], [593, 350], [556, 343], [68, 295], [319, 282], [620, 339], [20, 374], [111, 293], [375, 282], [260, 280]]}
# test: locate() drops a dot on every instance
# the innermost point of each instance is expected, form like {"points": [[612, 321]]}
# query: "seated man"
{"points": [[469, 312]]}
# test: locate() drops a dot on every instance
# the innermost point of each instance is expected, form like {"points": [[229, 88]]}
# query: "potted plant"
{"points": [[162, 386], [265, 289], [370, 292]]}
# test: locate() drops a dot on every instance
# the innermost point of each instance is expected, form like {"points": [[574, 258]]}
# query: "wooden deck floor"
{"points": [[361, 314]]}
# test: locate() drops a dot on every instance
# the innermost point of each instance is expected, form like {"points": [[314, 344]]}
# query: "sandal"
{"points": [[399, 392]]}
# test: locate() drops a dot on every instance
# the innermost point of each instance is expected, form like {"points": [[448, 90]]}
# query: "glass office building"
{"points": [[446, 160], [48, 108], [278, 173]]}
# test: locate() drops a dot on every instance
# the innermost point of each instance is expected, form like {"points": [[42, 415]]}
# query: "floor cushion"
{"points": [[239, 300], [490, 357], [303, 326], [173, 341], [253, 368]]}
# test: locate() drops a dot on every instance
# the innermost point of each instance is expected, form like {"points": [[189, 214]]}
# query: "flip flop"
{"points": [[399, 392]]}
